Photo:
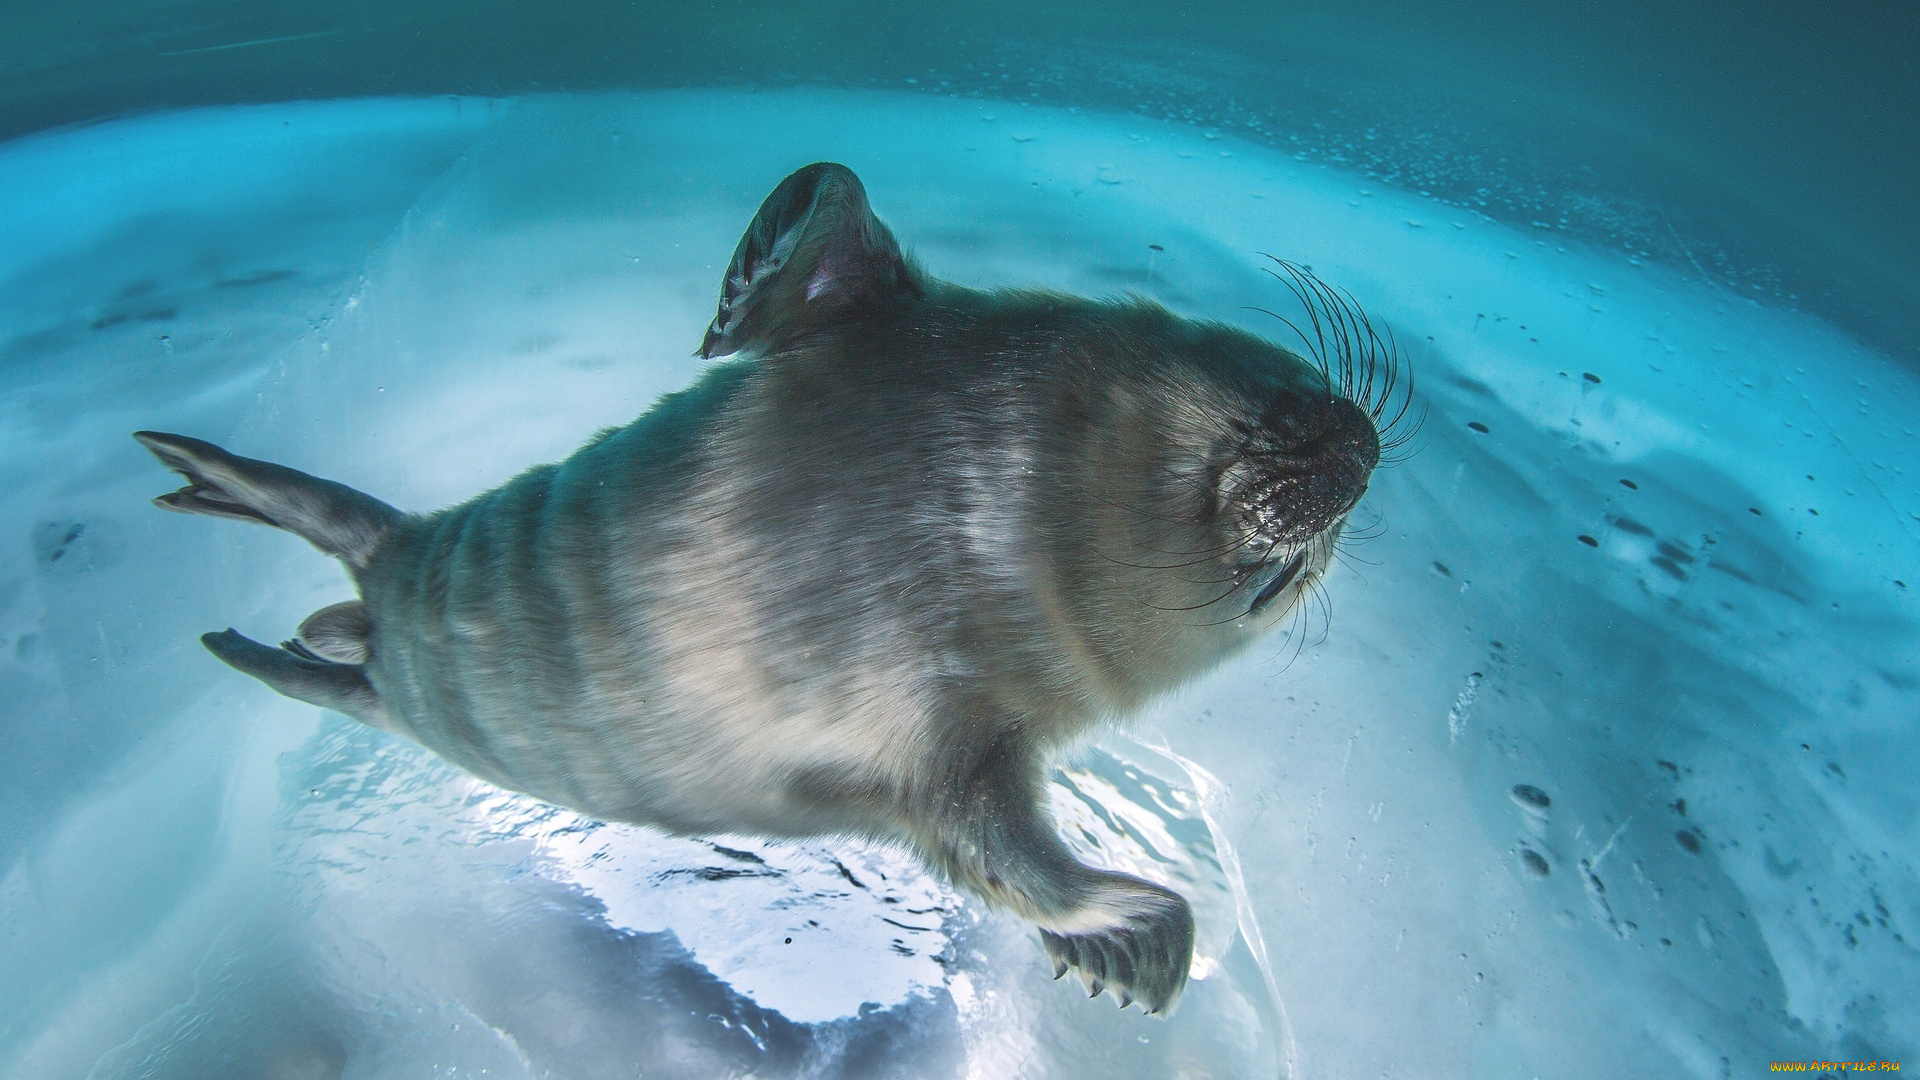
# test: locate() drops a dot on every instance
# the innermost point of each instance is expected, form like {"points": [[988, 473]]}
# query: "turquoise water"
{"points": [[1597, 765]]}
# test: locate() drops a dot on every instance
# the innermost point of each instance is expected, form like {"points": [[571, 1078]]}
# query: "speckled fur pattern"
{"points": [[866, 577]]}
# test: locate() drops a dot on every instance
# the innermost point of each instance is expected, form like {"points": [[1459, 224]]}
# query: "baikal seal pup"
{"points": [[867, 577]]}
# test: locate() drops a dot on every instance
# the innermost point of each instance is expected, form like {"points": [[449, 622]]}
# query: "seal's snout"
{"points": [[1308, 465], [1320, 426], [1344, 440]]}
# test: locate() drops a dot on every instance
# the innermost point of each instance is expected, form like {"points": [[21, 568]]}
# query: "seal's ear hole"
{"points": [[814, 252]]}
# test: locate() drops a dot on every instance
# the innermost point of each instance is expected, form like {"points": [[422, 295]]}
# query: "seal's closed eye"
{"points": [[1280, 581]]}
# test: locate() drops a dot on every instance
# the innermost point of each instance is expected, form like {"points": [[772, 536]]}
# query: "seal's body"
{"points": [[864, 579]]}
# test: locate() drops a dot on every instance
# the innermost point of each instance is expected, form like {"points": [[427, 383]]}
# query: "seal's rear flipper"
{"points": [[341, 632], [338, 520], [341, 687]]}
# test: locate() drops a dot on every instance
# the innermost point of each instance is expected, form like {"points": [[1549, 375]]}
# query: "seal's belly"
{"points": [[634, 688]]}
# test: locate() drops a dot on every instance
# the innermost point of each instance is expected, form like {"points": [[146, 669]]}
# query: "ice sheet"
{"points": [[1598, 766]]}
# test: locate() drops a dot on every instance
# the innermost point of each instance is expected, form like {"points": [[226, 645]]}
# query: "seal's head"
{"points": [[1217, 472], [1127, 495], [1287, 480]]}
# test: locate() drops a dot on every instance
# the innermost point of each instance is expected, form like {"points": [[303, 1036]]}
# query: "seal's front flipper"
{"points": [[338, 520], [1122, 934], [341, 687], [814, 252], [1132, 937]]}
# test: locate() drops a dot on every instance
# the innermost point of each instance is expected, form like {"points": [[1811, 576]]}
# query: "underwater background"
{"points": [[1598, 762]]}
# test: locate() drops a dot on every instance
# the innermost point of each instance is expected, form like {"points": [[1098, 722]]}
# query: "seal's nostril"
{"points": [[1301, 426]]}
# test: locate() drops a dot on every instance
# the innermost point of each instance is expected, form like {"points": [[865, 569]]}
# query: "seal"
{"points": [[866, 577]]}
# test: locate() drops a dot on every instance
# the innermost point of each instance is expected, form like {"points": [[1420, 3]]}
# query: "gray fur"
{"points": [[866, 578]]}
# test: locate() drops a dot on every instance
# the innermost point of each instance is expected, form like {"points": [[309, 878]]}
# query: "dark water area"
{"points": [[1768, 147]]}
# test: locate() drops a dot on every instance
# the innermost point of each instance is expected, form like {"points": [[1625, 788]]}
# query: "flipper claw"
{"points": [[1143, 958]]}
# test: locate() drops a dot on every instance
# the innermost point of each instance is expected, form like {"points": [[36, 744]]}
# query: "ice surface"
{"points": [[1599, 767]]}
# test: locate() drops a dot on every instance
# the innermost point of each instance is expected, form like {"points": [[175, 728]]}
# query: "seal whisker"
{"points": [[1362, 534], [1323, 600], [1334, 328], [1195, 607], [1202, 559], [1301, 292], [1228, 621], [1292, 639], [1372, 371], [1243, 543], [1371, 348], [1142, 512], [1370, 360], [1400, 435], [1322, 302], [1353, 562], [1360, 537], [1318, 355], [1296, 637]]}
